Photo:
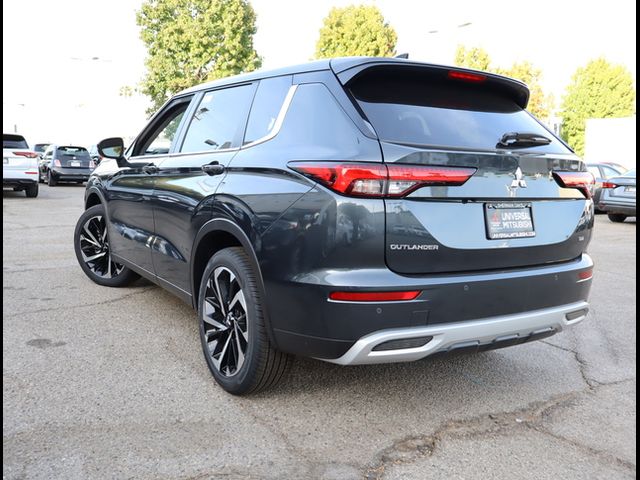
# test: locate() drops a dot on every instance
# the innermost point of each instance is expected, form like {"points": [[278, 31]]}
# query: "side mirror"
{"points": [[113, 148]]}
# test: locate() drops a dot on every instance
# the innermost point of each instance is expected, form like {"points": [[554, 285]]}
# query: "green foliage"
{"points": [[356, 31], [472, 57], [192, 41], [540, 104], [598, 90]]}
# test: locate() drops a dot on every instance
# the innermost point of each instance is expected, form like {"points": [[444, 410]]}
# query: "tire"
{"points": [[617, 217], [51, 180], [237, 310], [32, 190], [91, 244]]}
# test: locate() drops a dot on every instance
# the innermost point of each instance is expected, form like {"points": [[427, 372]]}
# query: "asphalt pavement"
{"points": [[111, 383]]}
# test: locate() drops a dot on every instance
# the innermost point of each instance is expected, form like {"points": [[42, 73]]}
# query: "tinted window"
{"points": [[159, 140], [412, 109], [40, 147], [13, 141], [219, 120], [78, 152], [266, 107]]}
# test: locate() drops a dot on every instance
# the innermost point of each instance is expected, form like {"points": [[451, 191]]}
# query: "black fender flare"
{"points": [[228, 226]]}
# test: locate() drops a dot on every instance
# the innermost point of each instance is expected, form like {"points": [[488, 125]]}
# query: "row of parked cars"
{"points": [[23, 168]]}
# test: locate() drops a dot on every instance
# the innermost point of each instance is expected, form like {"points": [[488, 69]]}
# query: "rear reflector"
{"points": [[466, 76], [609, 185], [585, 274], [56, 163], [578, 180], [26, 154], [373, 296], [380, 180]]}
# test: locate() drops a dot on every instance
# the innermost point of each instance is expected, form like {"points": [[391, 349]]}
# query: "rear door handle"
{"points": [[150, 169], [213, 168]]}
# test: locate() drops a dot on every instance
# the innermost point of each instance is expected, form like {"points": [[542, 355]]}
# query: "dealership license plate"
{"points": [[508, 220], [74, 164]]}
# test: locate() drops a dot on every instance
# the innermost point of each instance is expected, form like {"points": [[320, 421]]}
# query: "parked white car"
{"points": [[19, 165]]}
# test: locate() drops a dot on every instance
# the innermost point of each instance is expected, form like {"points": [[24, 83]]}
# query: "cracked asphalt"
{"points": [[111, 383]]}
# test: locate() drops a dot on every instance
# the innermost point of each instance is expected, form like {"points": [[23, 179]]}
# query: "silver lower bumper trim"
{"points": [[449, 336]]}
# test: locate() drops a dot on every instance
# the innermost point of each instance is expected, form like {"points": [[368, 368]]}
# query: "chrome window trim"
{"points": [[279, 119]]}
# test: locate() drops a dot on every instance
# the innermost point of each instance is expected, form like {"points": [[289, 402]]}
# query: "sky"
{"points": [[64, 62]]}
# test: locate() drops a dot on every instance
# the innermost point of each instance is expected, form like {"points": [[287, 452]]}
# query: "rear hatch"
{"points": [[73, 157], [522, 200]]}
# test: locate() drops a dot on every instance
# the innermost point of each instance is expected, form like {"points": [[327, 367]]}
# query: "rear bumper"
{"points": [[386, 346], [619, 207], [305, 322], [19, 182], [71, 173]]}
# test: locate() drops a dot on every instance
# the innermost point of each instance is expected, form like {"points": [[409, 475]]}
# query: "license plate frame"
{"points": [[75, 163], [508, 220]]}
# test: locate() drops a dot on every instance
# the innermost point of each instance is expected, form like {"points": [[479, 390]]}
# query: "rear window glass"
{"points": [[73, 151], [14, 141], [411, 109]]}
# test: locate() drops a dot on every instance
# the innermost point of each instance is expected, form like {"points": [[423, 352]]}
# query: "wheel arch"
{"points": [[212, 237], [93, 197]]}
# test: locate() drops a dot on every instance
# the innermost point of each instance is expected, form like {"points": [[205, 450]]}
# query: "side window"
{"points": [[219, 120], [266, 107], [158, 141], [316, 123]]}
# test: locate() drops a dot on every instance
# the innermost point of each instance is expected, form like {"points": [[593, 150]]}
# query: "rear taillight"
{"points": [[466, 76], [374, 296], [56, 163], [578, 180], [92, 164], [585, 275], [609, 185], [378, 179], [26, 154]]}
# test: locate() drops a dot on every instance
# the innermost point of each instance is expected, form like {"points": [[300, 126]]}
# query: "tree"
{"points": [[598, 90], [192, 41], [472, 57], [356, 31], [540, 104]]}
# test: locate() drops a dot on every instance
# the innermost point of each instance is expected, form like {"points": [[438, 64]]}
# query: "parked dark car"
{"points": [[354, 210], [65, 163], [619, 197], [601, 171]]}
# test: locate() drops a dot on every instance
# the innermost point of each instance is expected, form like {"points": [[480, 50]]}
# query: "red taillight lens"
{"points": [[609, 185], [466, 76], [374, 296], [579, 180], [26, 154], [380, 180], [56, 163]]}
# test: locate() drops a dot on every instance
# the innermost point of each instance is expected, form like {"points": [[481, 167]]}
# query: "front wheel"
{"points": [[234, 338], [617, 217], [91, 244]]}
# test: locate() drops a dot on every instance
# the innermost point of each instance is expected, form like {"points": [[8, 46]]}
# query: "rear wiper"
{"points": [[522, 140]]}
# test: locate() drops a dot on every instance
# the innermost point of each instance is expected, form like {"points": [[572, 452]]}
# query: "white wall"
{"points": [[611, 140]]}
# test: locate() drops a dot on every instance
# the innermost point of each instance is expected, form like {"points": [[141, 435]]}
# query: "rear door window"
{"points": [[412, 108], [219, 120]]}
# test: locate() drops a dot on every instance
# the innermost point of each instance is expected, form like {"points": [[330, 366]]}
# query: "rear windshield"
{"points": [[78, 152], [415, 109], [14, 141]]}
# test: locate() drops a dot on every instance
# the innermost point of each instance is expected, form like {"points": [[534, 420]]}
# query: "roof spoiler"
{"points": [[349, 69]]}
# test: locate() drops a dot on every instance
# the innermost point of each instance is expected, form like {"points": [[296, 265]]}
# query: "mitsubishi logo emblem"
{"points": [[517, 182]]}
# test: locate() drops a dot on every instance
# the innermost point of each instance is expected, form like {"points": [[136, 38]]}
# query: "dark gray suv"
{"points": [[354, 210]]}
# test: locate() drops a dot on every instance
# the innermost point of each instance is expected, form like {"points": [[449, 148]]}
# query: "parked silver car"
{"points": [[618, 197]]}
